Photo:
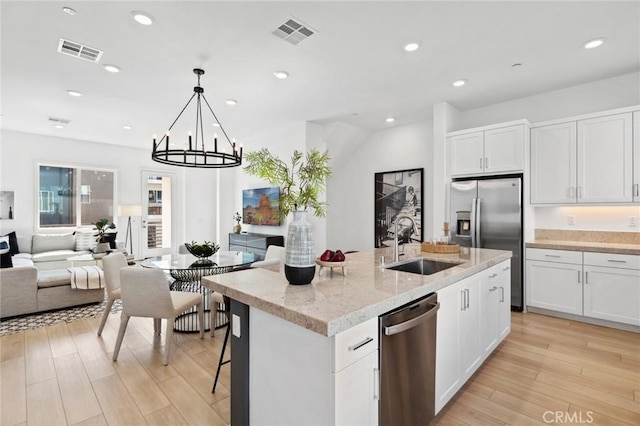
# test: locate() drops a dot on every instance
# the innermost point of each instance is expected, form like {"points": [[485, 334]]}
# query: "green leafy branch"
{"points": [[301, 182]]}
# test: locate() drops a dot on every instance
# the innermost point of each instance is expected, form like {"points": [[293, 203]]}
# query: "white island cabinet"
{"points": [[309, 355], [474, 318]]}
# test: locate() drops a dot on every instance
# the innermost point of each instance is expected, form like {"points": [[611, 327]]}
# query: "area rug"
{"points": [[28, 322]]}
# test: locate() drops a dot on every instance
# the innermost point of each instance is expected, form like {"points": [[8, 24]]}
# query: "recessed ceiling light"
{"points": [[390, 120], [58, 126], [281, 74], [127, 127], [69, 11], [231, 102], [74, 93], [142, 18], [596, 42], [459, 83], [411, 47], [111, 68]]}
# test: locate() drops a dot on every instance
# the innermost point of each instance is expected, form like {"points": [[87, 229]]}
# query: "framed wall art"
{"points": [[398, 201], [7, 205]]}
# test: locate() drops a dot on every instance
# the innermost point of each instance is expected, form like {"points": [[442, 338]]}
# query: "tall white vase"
{"points": [[299, 263]]}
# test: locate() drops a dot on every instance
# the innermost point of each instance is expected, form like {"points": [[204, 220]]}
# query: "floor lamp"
{"points": [[129, 210]]}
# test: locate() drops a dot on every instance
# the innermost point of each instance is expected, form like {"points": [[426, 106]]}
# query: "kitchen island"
{"points": [[293, 356]]}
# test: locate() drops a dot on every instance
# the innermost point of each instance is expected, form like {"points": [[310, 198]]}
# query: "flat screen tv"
{"points": [[261, 206]]}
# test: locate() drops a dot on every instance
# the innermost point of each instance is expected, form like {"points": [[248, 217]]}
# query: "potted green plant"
{"points": [[102, 237], [301, 182]]}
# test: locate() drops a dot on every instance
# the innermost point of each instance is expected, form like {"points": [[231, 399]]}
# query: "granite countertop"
{"points": [[333, 303], [615, 248]]}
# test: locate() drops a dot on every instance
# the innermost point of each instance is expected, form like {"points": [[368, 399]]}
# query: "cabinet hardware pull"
{"points": [[551, 255], [636, 190], [578, 276], [361, 344], [501, 294], [480, 162], [586, 277], [506, 268], [616, 261], [466, 290], [463, 301], [492, 276], [494, 288], [486, 162], [376, 384]]}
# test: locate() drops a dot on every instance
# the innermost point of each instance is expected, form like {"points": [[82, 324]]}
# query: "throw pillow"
{"points": [[13, 242], [5, 253], [85, 240]]}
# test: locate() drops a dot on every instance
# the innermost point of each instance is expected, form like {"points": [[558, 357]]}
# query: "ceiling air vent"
{"points": [[293, 31], [78, 50], [56, 120]]}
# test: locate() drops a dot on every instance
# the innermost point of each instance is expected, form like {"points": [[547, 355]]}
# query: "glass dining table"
{"points": [[187, 271]]}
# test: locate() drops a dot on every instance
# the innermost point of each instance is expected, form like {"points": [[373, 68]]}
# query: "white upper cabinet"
{"points": [[553, 164], [636, 157], [605, 159], [490, 150], [583, 161], [467, 153]]}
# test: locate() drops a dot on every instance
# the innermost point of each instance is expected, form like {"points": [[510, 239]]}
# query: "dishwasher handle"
{"points": [[399, 328]]}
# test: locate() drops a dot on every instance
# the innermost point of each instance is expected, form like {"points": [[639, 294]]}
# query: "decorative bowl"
{"points": [[203, 250]]}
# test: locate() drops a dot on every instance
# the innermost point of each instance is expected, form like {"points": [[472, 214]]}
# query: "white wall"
{"points": [[601, 95], [20, 154], [588, 218], [350, 193]]}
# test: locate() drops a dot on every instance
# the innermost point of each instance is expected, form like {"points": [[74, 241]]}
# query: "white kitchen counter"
{"points": [[334, 303]]}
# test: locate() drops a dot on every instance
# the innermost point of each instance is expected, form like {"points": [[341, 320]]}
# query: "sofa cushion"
{"points": [[53, 255], [21, 256], [45, 242], [13, 242], [54, 278], [5, 260], [19, 261]]}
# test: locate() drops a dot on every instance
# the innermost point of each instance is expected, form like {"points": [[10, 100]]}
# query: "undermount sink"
{"points": [[422, 266]]}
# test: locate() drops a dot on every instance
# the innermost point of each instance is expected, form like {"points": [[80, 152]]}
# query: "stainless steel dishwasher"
{"points": [[408, 363]]}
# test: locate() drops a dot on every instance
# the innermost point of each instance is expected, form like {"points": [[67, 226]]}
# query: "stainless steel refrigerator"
{"points": [[487, 213]]}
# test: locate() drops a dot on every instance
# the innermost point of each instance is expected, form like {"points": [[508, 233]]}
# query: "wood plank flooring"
{"points": [[548, 370]]}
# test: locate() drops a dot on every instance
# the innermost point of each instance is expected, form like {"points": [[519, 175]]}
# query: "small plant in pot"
{"points": [[301, 182], [103, 238]]}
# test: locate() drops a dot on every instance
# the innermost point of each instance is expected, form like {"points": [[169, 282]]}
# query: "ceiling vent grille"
{"points": [[78, 50], [293, 31], [57, 120]]}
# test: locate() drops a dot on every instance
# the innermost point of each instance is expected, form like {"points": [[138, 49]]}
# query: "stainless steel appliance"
{"points": [[408, 363], [487, 213]]}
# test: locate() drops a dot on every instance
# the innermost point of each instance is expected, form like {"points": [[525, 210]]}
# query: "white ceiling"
{"points": [[354, 64]]}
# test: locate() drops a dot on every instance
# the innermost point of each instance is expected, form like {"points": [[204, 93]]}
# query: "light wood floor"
{"points": [[63, 374]]}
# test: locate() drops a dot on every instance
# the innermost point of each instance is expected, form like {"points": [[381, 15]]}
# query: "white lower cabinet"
{"points": [[473, 319], [595, 285], [612, 292], [356, 398], [554, 280]]}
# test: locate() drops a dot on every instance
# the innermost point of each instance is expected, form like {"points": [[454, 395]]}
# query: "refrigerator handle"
{"points": [[473, 222], [477, 219]]}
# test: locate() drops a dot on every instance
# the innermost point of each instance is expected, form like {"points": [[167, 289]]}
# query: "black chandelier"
{"points": [[194, 155]]}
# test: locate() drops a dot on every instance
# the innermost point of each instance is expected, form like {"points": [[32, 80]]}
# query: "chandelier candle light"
{"points": [[194, 155]]}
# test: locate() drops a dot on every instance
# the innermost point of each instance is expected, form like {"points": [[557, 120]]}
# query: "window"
{"points": [[73, 197]]}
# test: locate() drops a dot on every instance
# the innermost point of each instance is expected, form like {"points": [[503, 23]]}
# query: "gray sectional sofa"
{"points": [[39, 279]]}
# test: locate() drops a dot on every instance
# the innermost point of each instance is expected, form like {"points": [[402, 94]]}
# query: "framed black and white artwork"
{"points": [[398, 201], [7, 205]]}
